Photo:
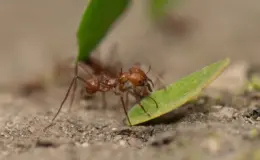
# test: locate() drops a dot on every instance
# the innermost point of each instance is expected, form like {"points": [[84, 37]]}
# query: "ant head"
{"points": [[137, 79]]}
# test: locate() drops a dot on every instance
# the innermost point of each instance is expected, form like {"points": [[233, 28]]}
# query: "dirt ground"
{"points": [[222, 124]]}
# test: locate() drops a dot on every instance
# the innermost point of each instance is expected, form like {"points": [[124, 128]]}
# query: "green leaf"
{"points": [[254, 83], [96, 21], [176, 94], [158, 8]]}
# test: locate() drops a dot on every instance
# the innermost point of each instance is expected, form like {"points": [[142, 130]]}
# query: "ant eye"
{"points": [[140, 81]]}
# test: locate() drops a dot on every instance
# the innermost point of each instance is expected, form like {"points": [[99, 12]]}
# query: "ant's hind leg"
{"points": [[74, 89]]}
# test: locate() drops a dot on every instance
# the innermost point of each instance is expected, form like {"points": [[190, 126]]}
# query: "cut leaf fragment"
{"points": [[176, 94], [254, 83], [95, 23]]}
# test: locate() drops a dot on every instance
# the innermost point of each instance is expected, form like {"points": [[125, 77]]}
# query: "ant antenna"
{"points": [[149, 69]]}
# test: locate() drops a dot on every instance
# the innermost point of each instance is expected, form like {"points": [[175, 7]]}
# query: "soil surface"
{"points": [[224, 123]]}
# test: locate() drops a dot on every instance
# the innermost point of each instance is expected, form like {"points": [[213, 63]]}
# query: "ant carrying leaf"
{"points": [[135, 82]]}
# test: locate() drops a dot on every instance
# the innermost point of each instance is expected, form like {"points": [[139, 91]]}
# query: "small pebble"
{"points": [[217, 107], [31, 129], [135, 142], [114, 129], [227, 112], [117, 138], [212, 145], [122, 143], [85, 144]]}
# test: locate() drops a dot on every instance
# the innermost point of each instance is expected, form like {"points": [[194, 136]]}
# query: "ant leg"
{"points": [[149, 87], [122, 101], [146, 94], [144, 109], [124, 107], [149, 80], [74, 87], [138, 98], [63, 101], [154, 101]]}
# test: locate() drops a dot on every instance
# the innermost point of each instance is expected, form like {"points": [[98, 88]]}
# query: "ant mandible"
{"points": [[135, 80]]}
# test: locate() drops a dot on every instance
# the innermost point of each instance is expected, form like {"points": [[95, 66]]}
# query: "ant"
{"points": [[135, 82], [124, 82]]}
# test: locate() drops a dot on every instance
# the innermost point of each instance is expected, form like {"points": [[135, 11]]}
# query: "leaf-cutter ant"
{"points": [[135, 82]]}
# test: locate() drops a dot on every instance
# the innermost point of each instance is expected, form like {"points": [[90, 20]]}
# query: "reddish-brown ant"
{"points": [[119, 85], [135, 82]]}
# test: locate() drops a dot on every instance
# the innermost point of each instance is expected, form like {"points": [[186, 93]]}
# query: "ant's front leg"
{"points": [[124, 106], [138, 99], [149, 87], [149, 80], [142, 94]]}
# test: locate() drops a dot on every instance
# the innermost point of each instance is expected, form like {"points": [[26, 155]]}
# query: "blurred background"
{"points": [[35, 36]]}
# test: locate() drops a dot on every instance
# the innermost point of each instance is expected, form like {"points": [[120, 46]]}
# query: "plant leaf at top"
{"points": [[176, 94], [95, 23]]}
